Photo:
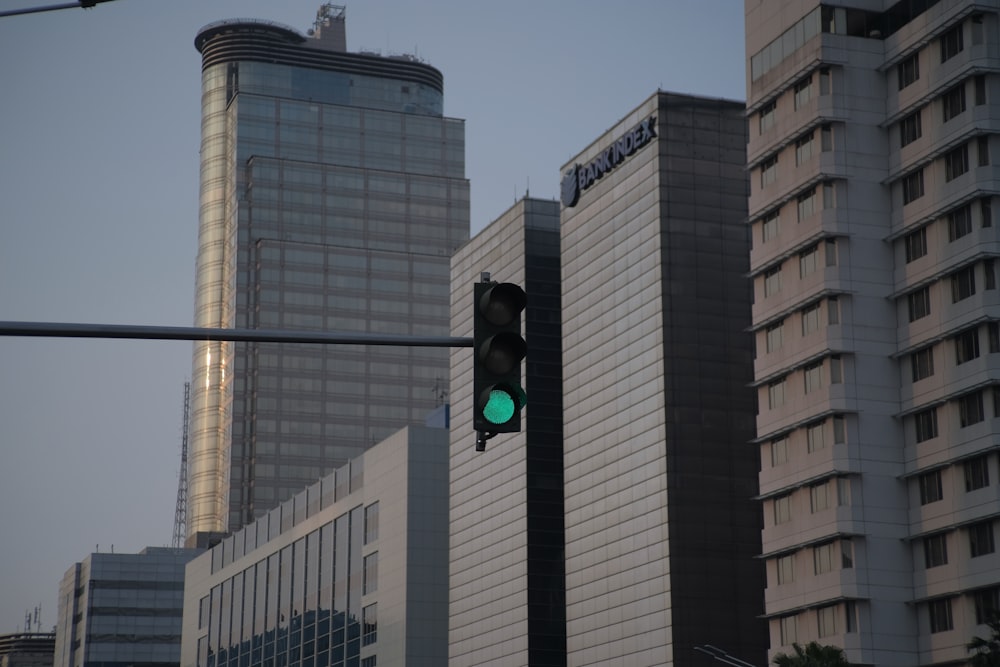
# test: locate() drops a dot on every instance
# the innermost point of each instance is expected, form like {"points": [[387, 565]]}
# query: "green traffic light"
{"points": [[499, 407]]}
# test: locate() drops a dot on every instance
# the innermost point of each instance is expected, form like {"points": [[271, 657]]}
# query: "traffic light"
{"points": [[499, 349]]}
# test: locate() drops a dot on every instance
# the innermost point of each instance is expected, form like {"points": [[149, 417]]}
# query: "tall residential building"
{"points": [[877, 321], [662, 528], [333, 194], [507, 578], [122, 610], [350, 572]]}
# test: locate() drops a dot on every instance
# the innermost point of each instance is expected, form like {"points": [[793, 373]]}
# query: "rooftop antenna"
{"points": [[180, 511]]}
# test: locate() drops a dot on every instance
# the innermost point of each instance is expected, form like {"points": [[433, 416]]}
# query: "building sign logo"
{"points": [[580, 177]]}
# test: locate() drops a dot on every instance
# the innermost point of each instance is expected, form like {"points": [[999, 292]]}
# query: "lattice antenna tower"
{"points": [[180, 513]]}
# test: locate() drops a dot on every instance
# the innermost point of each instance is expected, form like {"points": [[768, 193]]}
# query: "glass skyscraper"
{"points": [[333, 194]]}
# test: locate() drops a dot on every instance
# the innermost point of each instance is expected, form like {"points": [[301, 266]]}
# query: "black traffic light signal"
{"points": [[499, 349]]}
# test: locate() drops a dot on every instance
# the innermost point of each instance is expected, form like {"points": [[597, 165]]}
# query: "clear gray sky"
{"points": [[99, 138]]}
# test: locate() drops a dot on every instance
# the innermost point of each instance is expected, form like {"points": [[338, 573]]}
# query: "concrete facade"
{"points": [[875, 307], [507, 590], [661, 526]]}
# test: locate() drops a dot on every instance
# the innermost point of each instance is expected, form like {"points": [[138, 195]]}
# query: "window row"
{"points": [[816, 375], [806, 147], [811, 317], [966, 345], [979, 536], [817, 436], [949, 45], [962, 284], [966, 410], [959, 223], [823, 495], [975, 471], [955, 163], [985, 603], [819, 255], [838, 554], [830, 620], [806, 205]]}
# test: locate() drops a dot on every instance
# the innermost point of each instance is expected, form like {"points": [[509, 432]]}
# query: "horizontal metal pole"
{"points": [[72, 330]]}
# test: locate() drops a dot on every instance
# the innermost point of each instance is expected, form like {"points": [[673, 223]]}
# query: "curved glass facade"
{"points": [[331, 199]]}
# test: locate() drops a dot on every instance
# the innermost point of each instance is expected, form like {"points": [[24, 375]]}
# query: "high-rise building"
{"points": [[507, 577], [662, 528], [122, 609], [877, 321], [350, 572], [333, 194], [27, 649]]}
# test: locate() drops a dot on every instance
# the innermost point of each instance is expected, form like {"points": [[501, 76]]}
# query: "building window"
{"points": [[953, 102], [960, 222], [768, 171], [803, 92], [925, 423], [846, 554], [819, 497], [370, 573], [786, 569], [782, 509], [823, 558], [843, 492], [371, 523], [951, 43], [833, 310], [826, 618], [930, 487], [779, 451], [803, 149], [963, 284], [977, 473], [935, 550], [850, 616], [775, 336], [922, 363], [369, 661], [839, 430], [989, 275], [909, 129], [919, 303], [966, 346], [829, 195], [983, 151], [908, 71], [916, 244], [981, 539], [772, 281], [987, 603], [809, 260], [776, 394], [913, 186], [980, 86], [369, 624], [993, 333], [956, 162], [813, 377], [807, 205], [826, 138], [814, 437], [970, 409], [810, 318], [836, 369], [940, 615], [825, 81], [986, 212], [789, 630], [769, 226], [767, 115]]}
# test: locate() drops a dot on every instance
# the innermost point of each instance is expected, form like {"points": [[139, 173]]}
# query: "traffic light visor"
{"points": [[502, 303]]}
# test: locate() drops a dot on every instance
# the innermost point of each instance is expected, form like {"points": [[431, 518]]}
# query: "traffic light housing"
{"points": [[498, 351]]}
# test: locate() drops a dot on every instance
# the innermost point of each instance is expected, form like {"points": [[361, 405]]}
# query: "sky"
{"points": [[99, 140]]}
